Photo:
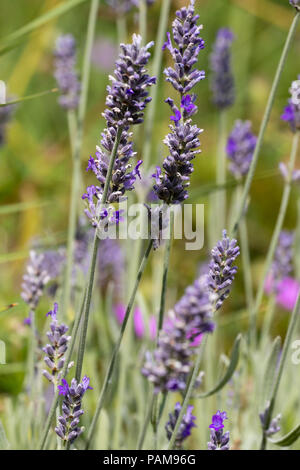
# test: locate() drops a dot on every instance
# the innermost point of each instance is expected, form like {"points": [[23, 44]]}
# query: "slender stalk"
{"points": [[283, 357], [143, 20], [246, 261], [121, 29], [265, 121], [220, 197], [165, 274], [268, 319], [149, 120], [188, 393], [118, 344], [76, 150], [90, 282], [274, 241], [142, 434], [69, 353]]}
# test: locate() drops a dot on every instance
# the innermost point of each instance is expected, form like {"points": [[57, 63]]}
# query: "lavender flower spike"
{"points": [[188, 43], [55, 351], [296, 4], [65, 74], [222, 80], [292, 110], [221, 269], [218, 440], [282, 264], [68, 423], [185, 427], [240, 148], [273, 427], [35, 280], [126, 101], [169, 367]]}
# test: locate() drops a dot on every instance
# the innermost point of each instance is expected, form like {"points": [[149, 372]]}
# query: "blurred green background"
{"points": [[35, 164]]}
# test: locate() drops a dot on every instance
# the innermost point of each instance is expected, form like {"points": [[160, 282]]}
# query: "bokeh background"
{"points": [[35, 163]]}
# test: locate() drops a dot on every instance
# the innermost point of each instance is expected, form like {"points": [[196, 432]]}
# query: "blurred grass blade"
{"points": [[271, 370], [234, 359], [288, 439], [38, 22], [3, 439], [2, 352], [29, 97], [21, 206]]}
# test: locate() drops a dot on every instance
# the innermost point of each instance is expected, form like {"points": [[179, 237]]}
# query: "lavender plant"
{"points": [[218, 439], [240, 147], [186, 426]]}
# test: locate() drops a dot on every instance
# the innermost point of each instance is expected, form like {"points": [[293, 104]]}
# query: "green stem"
{"points": [[274, 241], [268, 320], [165, 274], [149, 120], [264, 123], [188, 393], [143, 20], [283, 357], [121, 29], [220, 197], [68, 356], [142, 434], [76, 150], [90, 283], [111, 365]]}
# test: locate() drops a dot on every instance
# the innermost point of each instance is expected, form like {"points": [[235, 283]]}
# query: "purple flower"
{"points": [[63, 388], [65, 74], [104, 53], [287, 293], [240, 148], [218, 440], [222, 83], [56, 350], [138, 321], [292, 110], [186, 426], [269, 428], [188, 43], [221, 269], [177, 116], [34, 280], [68, 423], [187, 103], [217, 420]]}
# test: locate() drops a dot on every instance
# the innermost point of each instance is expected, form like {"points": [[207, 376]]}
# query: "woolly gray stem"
{"points": [[111, 366], [265, 121], [275, 237]]}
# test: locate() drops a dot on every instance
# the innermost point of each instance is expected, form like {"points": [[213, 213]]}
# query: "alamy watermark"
{"points": [[140, 221]]}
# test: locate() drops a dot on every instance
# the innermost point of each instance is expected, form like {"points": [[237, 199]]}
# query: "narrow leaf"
{"points": [[234, 359], [271, 370], [288, 439], [38, 22]]}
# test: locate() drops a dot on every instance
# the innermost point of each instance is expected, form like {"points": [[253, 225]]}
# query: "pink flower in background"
{"points": [[287, 293], [138, 321], [139, 326], [196, 339]]}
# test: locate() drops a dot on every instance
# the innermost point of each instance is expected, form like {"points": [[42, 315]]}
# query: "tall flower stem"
{"points": [[265, 121], [143, 431], [274, 241], [246, 262], [90, 282], [283, 357], [69, 353], [220, 197], [76, 150], [112, 362], [143, 20], [157, 61], [121, 29], [165, 274], [188, 393]]}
